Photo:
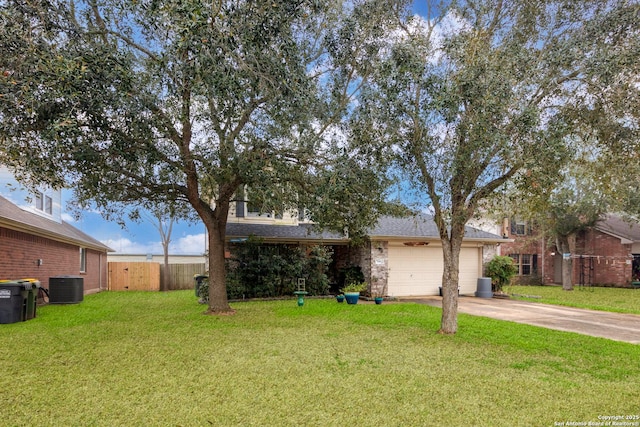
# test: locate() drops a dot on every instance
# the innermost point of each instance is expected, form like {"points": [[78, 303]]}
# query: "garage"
{"points": [[417, 270]]}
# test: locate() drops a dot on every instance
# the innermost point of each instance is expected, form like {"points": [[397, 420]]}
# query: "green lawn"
{"points": [[595, 298], [148, 359]]}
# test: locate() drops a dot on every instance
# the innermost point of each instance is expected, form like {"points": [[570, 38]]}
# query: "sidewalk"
{"points": [[614, 326]]}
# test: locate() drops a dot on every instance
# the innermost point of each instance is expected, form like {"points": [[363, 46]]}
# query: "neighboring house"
{"points": [[400, 256], [607, 254], [36, 243]]}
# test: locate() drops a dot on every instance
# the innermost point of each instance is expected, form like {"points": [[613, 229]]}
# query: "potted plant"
{"points": [[377, 290], [501, 269], [340, 298], [352, 291]]}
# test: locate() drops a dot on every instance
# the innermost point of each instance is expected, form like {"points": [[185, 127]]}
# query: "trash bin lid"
{"points": [[29, 283]]}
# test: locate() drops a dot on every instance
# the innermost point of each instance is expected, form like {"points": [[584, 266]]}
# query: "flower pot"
{"points": [[378, 300], [352, 297], [340, 298]]}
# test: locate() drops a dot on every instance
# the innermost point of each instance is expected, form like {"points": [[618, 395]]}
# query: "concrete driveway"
{"points": [[614, 326]]}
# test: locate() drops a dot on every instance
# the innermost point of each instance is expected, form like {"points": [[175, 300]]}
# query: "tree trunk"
{"points": [[165, 277], [218, 302], [563, 244], [216, 223], [450, 283]]}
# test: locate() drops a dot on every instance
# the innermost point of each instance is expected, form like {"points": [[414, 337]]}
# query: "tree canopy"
{"points": [[482, 94]]}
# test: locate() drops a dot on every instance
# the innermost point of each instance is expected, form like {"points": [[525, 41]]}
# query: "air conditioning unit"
{"points": [[66, 289]]}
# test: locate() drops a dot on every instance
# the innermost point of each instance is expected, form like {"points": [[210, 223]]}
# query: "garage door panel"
{"points": [[418, 270]]}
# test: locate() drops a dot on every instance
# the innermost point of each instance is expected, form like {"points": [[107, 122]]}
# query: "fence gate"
{"points": [[134, 276]]}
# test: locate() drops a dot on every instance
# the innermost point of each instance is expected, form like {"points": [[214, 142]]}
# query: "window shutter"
{"points": [[240, 203], [534, 263], [513, 226]]}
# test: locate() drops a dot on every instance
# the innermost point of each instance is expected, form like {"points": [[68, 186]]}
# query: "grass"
{"points": [[153, 359], [595, 298]]}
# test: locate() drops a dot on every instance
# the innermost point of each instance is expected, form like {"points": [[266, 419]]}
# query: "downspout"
{"points": [[543, 257], [99, 271]]}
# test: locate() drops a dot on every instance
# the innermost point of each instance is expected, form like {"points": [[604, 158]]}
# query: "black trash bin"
{"points": [[13, 296], [198, 279], [31, 288]]}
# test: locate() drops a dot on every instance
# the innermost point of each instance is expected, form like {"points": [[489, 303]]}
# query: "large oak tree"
{"points": [[183, 102]]}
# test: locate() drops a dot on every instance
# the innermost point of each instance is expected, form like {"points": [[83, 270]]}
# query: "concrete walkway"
{"points": [[614, 326]]}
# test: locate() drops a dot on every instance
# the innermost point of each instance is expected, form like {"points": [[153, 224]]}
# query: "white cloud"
{"points": [[126, 246], [189, 244], [68, 218]]}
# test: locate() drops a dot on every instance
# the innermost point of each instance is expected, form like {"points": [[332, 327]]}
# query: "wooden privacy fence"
{"points": [[180, 276], [147, 276], [134, 276]]}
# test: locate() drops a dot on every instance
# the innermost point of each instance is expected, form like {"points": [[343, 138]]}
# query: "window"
{"points": [[39, 201], [254, 209], [518, 227], [48, 205], [44, 203], [83, 260], [526, 264], [516, 261]]}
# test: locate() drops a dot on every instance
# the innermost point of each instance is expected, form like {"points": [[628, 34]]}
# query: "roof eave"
{"points": [[293, 240], [623, 240], [437, 239], [25, 228]]}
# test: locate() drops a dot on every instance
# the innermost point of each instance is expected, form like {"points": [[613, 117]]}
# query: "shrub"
{"points": [[501, 269], [349, 275], [258, 270]]}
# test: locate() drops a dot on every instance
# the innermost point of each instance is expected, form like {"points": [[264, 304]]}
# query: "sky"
{"points": [[143, 237], [139, 237]]}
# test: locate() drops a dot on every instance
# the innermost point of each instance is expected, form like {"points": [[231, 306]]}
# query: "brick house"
{"points": [[36, 243], [607, 254]]}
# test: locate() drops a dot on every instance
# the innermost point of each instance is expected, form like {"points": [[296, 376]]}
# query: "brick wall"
{"points": [[608, 259], [20, 252], [531, 244]]}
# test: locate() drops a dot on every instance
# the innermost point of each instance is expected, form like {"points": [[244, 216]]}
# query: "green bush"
{"points": [[349, 275], [501, 269], [258, 270]]}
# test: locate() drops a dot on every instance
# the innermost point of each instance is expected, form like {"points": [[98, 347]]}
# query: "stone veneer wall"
{"points": [[378, 267]]}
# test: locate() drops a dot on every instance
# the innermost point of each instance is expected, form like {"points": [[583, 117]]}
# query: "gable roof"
{"points": [[415, 227], [15, 218], [423, 226], [628, 232]]}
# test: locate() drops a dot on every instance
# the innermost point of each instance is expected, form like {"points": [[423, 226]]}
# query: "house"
{"points": [[607, 254], [36, 243], [400, 256]]}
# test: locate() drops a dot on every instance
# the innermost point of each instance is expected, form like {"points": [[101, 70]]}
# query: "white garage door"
{"points": [[417, 270]]}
